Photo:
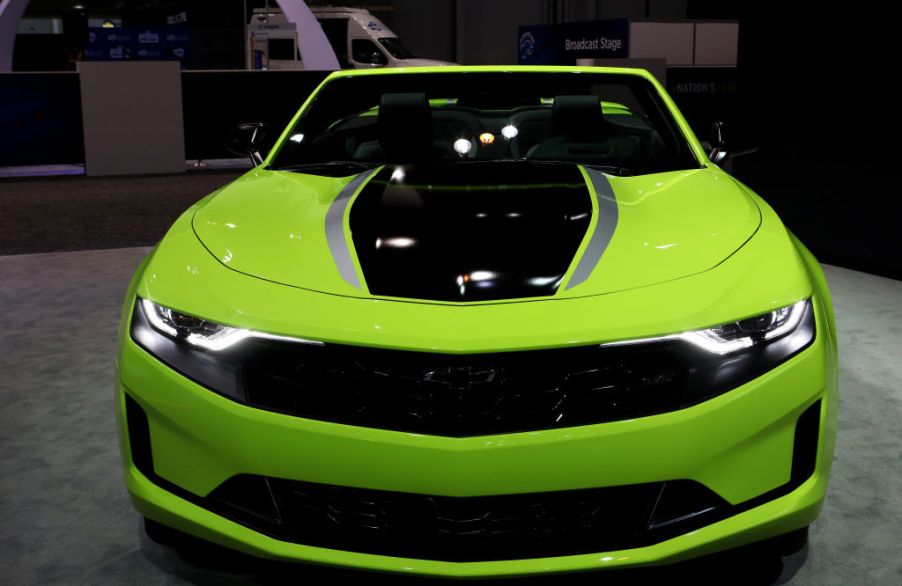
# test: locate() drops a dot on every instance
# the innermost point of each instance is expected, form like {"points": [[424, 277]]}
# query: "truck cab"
{"points": [[359, 39]]}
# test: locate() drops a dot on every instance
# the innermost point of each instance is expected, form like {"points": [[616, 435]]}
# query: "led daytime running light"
{"points": [[710, 341], [221, 338]]}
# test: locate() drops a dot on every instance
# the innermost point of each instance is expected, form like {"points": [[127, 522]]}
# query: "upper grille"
{"points": [[471, 394], [465, 395]]}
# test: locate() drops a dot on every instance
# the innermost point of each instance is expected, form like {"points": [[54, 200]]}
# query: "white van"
{"points": [[359, 39]]}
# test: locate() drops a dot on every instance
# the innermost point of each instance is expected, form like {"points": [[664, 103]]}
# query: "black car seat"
{"points": [[405, 131], [533, 124], [578, 131]]}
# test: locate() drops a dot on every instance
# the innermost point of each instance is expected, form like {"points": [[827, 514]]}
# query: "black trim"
{"points": [[142, 452], [139, 437], [805, 444]]}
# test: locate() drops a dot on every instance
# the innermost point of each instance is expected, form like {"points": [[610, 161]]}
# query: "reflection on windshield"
{"points": [[398, 51], [615, 121]]}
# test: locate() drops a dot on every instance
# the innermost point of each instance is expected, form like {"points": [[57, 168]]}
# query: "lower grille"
{"points": [[472, 528], [465, 529]]}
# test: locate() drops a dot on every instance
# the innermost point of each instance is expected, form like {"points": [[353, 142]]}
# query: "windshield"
{"points": [[611, 120], [394, 46]]}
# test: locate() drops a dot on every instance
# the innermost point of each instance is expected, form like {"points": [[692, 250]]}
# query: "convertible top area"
{"points": [[593, 116]]}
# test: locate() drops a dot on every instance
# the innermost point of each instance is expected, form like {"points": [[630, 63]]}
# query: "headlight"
{"points": [[740, 335], [711, 361], [210, 353], [202, 333]]}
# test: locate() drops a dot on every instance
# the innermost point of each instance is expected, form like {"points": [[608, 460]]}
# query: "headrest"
{"points": [[572, 115], [405, 124], [495, 99]]}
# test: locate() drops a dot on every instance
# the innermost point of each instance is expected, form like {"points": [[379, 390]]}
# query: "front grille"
{"points": [[466, 528], [466, 395]]}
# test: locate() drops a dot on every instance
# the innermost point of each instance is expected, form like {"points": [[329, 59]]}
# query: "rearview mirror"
{"points": [[246, 139]]}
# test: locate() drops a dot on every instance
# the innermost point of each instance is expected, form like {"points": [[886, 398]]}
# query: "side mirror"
{"points": [[245, 140], [718, 141]]}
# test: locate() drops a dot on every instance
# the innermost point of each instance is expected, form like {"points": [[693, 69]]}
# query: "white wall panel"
{"points": [[649, 40], [716, 43]]}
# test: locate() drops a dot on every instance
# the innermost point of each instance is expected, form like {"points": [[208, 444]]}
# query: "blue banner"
{"points": [[138, 43]]}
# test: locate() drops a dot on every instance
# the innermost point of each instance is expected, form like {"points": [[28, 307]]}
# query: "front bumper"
{"points": [[739, 445]]}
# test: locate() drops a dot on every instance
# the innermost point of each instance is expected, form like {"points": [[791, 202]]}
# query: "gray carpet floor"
{"points": [[65, 517], [48, 214]]}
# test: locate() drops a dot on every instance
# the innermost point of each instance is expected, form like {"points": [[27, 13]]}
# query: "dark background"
{"points": [[812, 91]]}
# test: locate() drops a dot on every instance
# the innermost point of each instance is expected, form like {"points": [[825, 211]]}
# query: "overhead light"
{"points": [[462, 146]]}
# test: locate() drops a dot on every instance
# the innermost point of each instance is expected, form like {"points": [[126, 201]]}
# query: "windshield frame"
{"points": [[666, 110]]}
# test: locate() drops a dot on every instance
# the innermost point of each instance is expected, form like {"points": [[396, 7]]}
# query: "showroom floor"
{"points": [[65, 517], [51, 214]]}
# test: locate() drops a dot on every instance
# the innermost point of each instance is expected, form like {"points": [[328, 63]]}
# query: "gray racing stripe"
{"points": [[604, 227], [335, 232]]}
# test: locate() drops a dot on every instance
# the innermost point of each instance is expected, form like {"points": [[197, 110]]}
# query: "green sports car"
{"points": [[479, 321]]}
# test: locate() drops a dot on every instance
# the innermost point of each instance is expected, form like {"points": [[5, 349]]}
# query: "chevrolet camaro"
{"points": [[479, 321]]}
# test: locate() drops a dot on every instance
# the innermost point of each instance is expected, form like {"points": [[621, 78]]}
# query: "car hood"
{"points": [[476, 232]]}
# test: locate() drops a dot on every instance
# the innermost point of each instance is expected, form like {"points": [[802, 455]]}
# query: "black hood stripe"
{"points": [[335, 230], [604, 227], [473, 231]]}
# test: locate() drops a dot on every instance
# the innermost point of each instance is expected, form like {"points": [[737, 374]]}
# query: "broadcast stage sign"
{"points": [[563, 44]]}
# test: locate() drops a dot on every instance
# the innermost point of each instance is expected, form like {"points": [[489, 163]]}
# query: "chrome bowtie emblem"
{"points": [[461, 377]]}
